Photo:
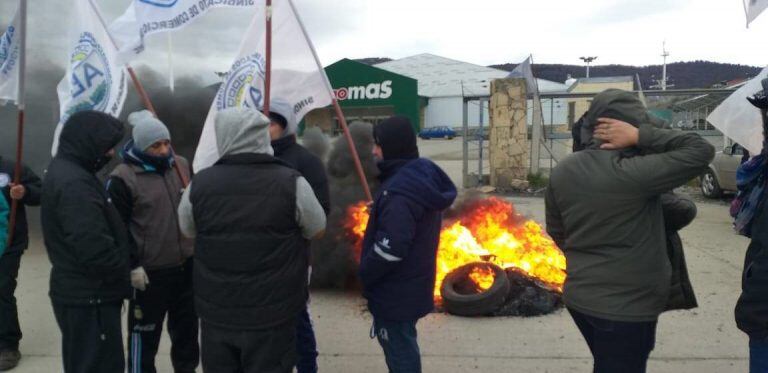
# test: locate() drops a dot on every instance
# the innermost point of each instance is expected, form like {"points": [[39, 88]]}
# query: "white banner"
{"points": [[146, 17], [10, 42], [94, 80], [739, 120], [297, 76], [754, 8]]}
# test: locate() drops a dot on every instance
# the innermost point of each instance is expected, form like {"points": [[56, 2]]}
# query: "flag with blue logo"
{"points": [[146, 17], [10, 43], [298, 79], [94, 79]]}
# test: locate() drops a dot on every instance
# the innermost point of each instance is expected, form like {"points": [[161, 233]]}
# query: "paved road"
{"points": [[702, 340]]}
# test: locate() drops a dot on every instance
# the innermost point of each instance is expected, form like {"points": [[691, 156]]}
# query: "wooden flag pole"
{"points": [[339, 112], [353, 151], [20, 103]]}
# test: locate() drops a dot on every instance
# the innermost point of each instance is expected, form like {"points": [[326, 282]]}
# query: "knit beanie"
{"points": [[396, 138], [147, 129]]}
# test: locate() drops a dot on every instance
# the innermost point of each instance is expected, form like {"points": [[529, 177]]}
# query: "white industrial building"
{"points": [[445, 82]]}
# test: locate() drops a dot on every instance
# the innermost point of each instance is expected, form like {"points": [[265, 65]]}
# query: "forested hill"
{"points": [[696, 74]]}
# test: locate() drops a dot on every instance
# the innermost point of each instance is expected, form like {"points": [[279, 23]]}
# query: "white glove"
{"points": [[139, 279]]}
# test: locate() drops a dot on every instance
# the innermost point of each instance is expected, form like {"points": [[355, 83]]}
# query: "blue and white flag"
{"points": [[146, 17], [94, 79], [298, 78], [10, 53]]}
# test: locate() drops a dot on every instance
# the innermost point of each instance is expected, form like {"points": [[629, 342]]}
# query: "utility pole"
{"points": [[664, 54], [587, 61]]}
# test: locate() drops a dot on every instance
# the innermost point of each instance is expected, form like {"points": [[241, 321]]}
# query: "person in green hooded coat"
{"points": [[604, 209]]}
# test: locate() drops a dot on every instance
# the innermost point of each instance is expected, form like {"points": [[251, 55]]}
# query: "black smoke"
{"points": [[334, 263]]}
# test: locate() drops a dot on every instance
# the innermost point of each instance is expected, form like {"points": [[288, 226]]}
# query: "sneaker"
{"points": [[9, 359]]}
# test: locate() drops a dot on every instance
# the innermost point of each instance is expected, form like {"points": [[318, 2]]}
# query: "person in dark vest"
{"points": [[398, 260], [88, 245], [252, 217], [27, 193], [146, 189], [282, 130]]}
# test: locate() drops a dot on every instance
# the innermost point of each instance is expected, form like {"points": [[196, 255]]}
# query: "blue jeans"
{"points": [[306, 345], [758, 355], [398, 340], [617, 346]]}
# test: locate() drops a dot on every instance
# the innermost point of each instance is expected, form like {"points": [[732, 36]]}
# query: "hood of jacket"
{"points": [[419, 179], [615, 104], [87, 136], [242, 130]]}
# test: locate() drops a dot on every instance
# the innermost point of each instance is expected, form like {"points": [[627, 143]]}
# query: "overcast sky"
{"points": [[480, 31]]}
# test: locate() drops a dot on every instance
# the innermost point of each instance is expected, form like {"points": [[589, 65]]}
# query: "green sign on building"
{"points": [[371, 94]]}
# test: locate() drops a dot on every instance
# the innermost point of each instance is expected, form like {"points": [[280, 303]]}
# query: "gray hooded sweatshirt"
{"points": [[241, 130]]}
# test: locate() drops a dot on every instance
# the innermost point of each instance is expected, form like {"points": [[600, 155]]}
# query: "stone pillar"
{"points": [[509, 145]]}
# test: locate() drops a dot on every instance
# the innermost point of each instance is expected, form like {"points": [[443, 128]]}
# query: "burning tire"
{"points": [[463, 296]]}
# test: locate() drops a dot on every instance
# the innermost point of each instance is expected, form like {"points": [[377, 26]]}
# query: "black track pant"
{"points": [[10, 332], [270, 350], [91, 338], [169, 293]]}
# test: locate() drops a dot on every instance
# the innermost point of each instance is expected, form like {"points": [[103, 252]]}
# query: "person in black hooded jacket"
{"points": [[87, 244], [398, 261]]}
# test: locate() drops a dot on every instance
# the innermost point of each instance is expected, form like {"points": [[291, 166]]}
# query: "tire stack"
{"points": [[513, 293]]}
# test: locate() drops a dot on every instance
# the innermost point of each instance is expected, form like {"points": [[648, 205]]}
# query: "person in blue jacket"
{"points": [[397, 266]]}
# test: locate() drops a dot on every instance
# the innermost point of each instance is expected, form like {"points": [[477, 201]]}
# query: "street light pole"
{"points": [[664, 54], [587, 61]]}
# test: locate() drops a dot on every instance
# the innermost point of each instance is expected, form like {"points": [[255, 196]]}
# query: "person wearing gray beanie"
{"points": [[140, 188], [147, 129]]}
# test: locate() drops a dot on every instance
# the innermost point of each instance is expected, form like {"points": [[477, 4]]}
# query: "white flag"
{"points": [[10, 43], [297, 76], [146, 17], [94, 80], [754, 8], [737, 119]]}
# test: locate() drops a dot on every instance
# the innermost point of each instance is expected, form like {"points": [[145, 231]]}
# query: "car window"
{"points": [[737, 150]]}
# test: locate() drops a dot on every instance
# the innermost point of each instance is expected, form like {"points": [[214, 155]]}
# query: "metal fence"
{"points": [[685, 110]]}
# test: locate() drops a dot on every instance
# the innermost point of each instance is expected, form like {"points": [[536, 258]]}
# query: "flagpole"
{"points": [[137, 84], [268, 55], [20, 104], [339, 112], [171, 77]]}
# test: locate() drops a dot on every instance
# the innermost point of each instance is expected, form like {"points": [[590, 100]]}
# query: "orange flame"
{"points": [[490, 230], [355, 225], [482, 277]]}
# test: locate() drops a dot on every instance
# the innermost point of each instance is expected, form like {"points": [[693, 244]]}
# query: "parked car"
{"points": [[721, 175], [442, 132]]}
